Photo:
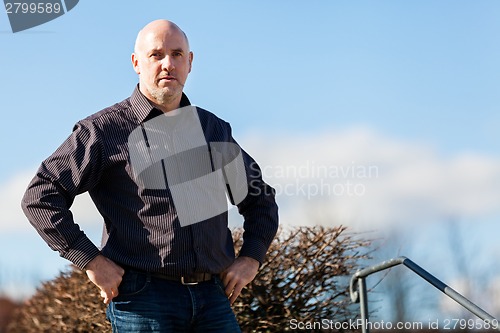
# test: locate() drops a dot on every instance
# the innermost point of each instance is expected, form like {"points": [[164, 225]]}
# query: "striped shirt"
{"points": [[142, 224]]}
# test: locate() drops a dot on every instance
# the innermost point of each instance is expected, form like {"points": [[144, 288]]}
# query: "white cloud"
{"points": [[362, 178]]}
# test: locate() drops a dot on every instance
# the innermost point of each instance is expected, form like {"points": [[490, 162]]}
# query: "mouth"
{"points": [[167, 78]]}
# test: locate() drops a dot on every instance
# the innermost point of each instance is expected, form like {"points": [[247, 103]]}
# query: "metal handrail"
{"points": [[360, 295]]}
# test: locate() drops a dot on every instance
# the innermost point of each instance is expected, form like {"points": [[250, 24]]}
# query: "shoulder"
{"points": [[213, 124], [209, 116], [110, 116]]}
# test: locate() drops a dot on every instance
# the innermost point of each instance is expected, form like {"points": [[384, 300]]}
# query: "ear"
{"points": [[191, 56], [135, 63]]}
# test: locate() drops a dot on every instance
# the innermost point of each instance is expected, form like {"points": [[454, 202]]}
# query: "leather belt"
{"points": [[187, 280]]}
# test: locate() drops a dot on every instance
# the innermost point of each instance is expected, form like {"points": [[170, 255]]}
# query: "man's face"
{"points": [[163, 61]]}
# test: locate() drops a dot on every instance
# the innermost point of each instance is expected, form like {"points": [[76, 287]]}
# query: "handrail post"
{"points": [[363, 305]]}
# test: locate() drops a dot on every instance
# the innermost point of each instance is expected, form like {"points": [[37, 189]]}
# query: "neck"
{"points": [[168, 106]]}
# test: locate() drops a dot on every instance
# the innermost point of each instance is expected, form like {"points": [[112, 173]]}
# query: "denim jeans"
{"points": [[151, 304]]}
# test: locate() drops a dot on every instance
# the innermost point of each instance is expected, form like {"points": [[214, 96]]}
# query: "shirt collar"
{"points": [[144, 110]]}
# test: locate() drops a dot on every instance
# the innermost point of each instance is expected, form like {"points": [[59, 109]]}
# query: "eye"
{"points": [[156, 55]]}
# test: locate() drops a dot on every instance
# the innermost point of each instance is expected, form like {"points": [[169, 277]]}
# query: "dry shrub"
{"points": [[305, 277], [69, 303]]}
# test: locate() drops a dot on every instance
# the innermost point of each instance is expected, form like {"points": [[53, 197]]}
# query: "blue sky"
{"points": [[411, 87]]}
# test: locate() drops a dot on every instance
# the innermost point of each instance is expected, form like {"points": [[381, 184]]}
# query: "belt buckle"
{"points": [[188, 283]]}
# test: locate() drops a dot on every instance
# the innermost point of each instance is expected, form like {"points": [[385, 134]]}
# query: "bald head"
{"points": [[153, 28]]}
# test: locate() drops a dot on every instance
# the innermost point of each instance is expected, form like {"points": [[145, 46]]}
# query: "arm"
{"points": [[74, 168], [260, 213]]}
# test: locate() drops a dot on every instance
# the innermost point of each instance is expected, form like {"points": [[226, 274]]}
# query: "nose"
{"points": [[167, 64]]}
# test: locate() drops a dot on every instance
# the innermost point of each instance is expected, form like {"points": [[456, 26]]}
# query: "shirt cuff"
{"points": [[82, 253], [254, 248]]}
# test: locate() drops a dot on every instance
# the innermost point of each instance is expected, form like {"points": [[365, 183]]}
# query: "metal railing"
{"points": [[359, 292]]}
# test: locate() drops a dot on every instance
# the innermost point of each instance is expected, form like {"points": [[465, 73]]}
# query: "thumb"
{"points": [[107, 296]]}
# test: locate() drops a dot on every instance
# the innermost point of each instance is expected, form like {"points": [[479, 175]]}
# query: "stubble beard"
{"points": [[164, 96]]}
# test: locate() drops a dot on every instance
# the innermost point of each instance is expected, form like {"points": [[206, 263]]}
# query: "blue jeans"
{"points": [[151, 304]]}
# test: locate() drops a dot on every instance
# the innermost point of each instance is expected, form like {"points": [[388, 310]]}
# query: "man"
{"points": [[167, 262]]}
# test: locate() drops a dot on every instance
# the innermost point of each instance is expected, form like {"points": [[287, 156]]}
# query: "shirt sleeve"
{"points": [[75, 167]]}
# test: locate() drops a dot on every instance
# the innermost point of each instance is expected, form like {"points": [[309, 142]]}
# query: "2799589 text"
{"points": [[468, 324], [33, 8]]}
